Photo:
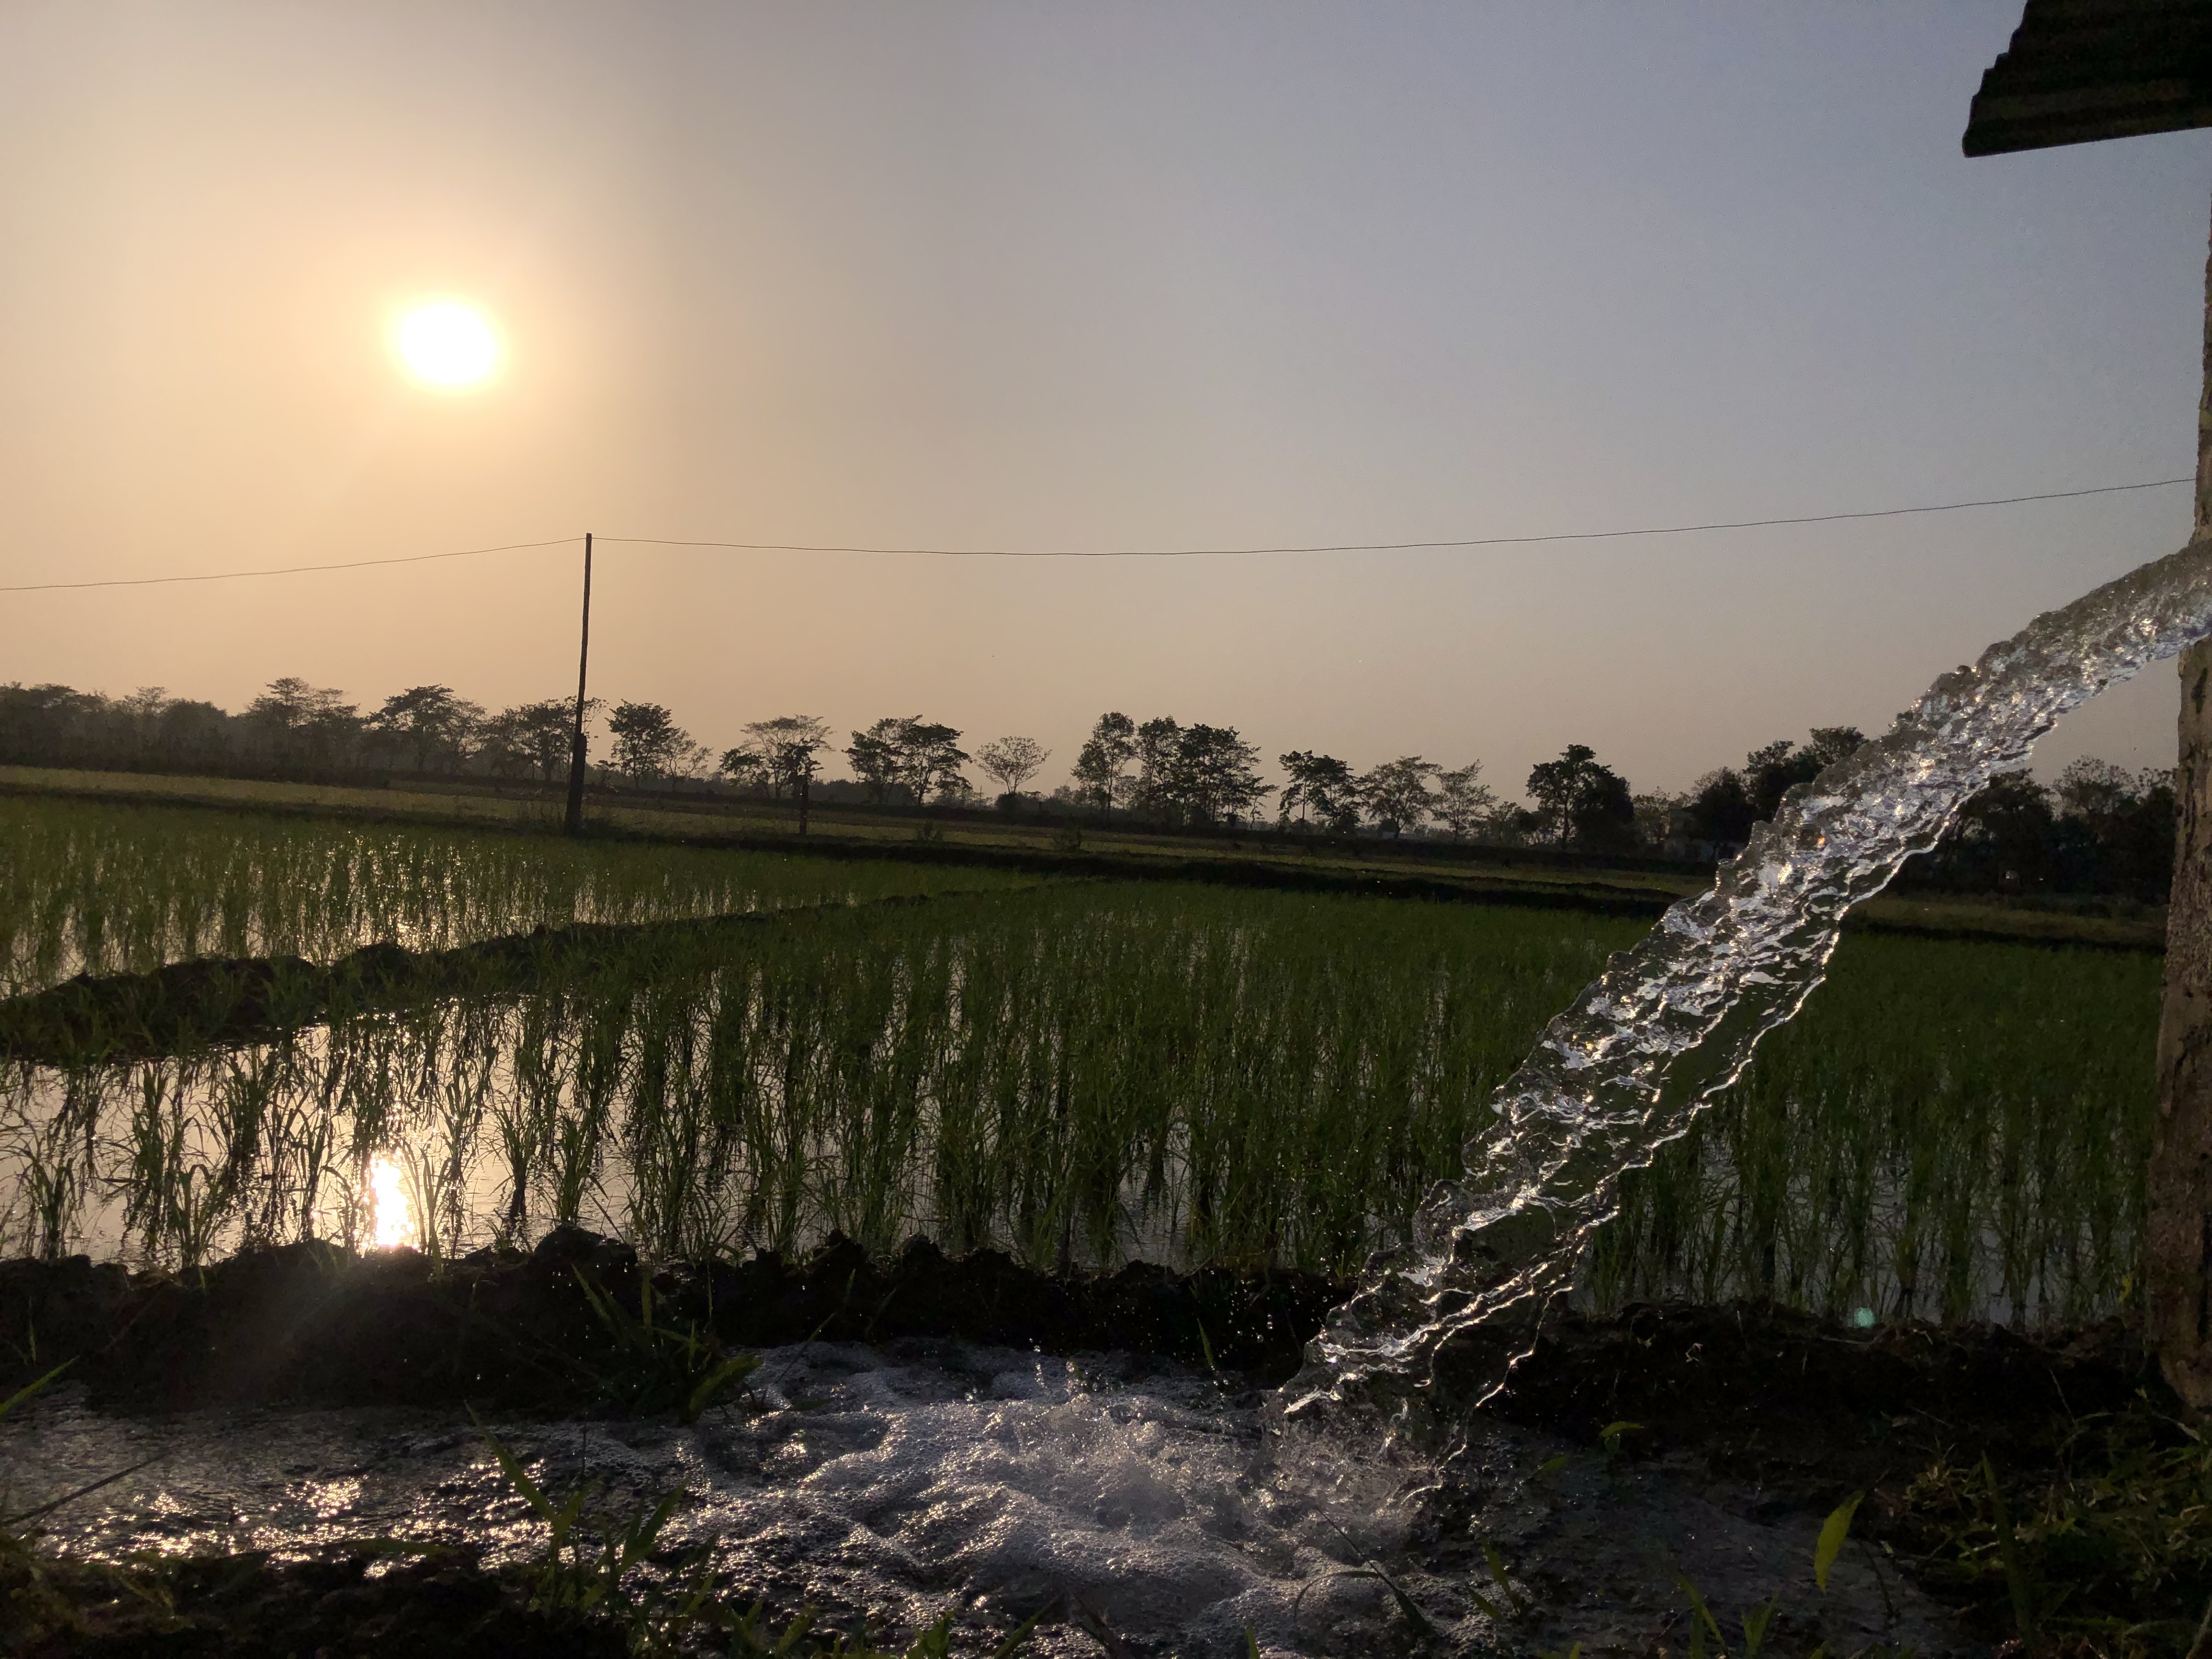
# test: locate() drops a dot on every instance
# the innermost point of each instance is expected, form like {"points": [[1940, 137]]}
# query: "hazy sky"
{"points": [[1105, 275]]}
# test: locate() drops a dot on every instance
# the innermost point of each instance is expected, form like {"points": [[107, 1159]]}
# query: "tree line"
{"points": [[2097, 829]]}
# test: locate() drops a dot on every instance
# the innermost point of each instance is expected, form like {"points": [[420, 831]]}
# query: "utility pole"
{"points": [[2076, 73], [2178, 1242], [575, 822]]}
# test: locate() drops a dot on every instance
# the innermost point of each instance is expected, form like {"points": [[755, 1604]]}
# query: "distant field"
{"points": [[1492, 874], [104, 887], [1077, 1071]]}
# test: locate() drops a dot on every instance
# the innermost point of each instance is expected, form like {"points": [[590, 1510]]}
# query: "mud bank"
{"points": [[315, 1324], [217, 1001], [248, 1605]]}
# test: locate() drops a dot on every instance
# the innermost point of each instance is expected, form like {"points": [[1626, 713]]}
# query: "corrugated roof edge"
{"points": [[2081, 70]]}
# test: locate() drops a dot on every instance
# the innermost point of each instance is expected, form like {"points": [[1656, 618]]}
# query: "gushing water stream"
{"points": [[1672, 1022]]}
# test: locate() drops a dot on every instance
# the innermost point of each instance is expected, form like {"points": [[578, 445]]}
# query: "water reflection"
{"points": [[393, 1224]]}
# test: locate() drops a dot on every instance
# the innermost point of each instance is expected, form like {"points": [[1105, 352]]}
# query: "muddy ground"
{"points": [[1713, 1441]]}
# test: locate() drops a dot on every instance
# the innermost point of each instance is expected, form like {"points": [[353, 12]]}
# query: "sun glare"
{"points": [[391, 1225], [447, 344]]}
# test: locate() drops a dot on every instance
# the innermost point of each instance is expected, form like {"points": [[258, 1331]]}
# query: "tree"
{"points": [[1195, 775], [780, 753], [1101, 765], [1724, 805], [1009, 763], [1221, 773], [1321, 790], [874, 756], [920, 756], [500, 746], [930, 759], [1157, 791], [429, 721], [1464, 803], [1771, 772], [1656, 816], [545, 732], [193, 732], [2127, 819], [1396, 794], [648, 743], [1582, 801], [304, 723], [1720, 808]]}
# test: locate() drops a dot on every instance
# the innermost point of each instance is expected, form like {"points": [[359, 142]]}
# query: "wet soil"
{"points": [[442, 1606], [1712, 1439], [1798, 1404]]}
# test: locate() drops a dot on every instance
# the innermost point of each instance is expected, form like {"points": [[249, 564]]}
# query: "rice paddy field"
{"points": [[1079, 1073]]}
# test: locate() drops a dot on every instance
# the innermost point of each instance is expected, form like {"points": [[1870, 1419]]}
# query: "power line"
{"points": [[287, 569], [1389, 547], [1121, 553]]}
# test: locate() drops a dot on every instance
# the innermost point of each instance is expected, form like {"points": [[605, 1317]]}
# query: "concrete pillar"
{"points": [[2177, 1248]]}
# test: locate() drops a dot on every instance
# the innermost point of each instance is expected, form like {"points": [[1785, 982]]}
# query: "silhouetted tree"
{"points": [[648, 743], [1396, 794], [543, 732], [1465, 804], [430, 723], [1322, 791], [920, 757], [1724, 805], [1009, 763], [304, 725], [781, 754], [2124, 821], [930, 759], [1196, 774], [1103, 763], [1581, 801], [874, 758]]}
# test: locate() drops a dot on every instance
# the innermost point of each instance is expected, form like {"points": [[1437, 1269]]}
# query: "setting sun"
{"points": [[447, 344]]}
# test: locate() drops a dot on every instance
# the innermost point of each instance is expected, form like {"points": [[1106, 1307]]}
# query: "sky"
{"points": [[1121, 276]]}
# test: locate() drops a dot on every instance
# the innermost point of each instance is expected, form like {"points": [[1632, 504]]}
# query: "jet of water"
{"points": [[1672, 1022]]}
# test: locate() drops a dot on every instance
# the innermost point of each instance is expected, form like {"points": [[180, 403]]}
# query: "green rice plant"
{"points": [[2111, 1551], [662, 1369], [54, 1148], [1947, 1130], [102, 887], [590, 1560], [1086, 1073]]}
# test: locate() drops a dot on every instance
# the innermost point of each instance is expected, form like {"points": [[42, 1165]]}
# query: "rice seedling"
{"points": [[98, 888], [1086, 1073], [1949, 1130]]}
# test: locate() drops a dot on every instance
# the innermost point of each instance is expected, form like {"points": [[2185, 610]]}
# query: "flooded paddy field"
{"points": [[396, 1070]]}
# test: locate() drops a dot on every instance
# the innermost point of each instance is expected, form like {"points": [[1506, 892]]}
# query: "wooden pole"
{"points": [[575, 820], [2177, 1244]]}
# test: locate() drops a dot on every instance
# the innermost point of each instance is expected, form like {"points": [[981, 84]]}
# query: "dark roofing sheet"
{"points": [[2081, 70]]}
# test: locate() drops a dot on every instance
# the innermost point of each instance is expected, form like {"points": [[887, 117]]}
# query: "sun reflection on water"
{"points": [[393, 1224]]}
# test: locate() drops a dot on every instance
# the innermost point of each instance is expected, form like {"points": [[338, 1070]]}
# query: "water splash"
{"points": [[1674, 1021]]}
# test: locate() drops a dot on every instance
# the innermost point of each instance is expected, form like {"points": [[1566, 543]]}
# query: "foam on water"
{"points": [[896, 1485], [1674, 1021]]}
